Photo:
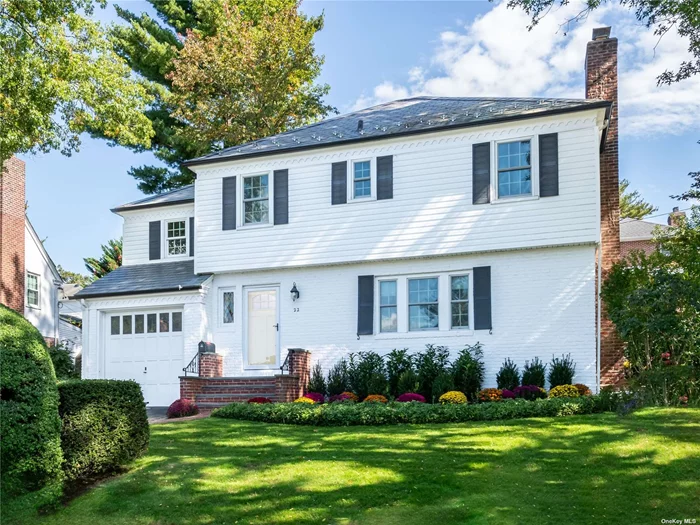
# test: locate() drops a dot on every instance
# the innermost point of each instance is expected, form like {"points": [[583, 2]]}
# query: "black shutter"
{"points": [[481, 173], [191, 236], [482, 298], [154, 240], [385, 177], [365, 305], [339, 183], [549, 165], [281, 190], [228, 203]]}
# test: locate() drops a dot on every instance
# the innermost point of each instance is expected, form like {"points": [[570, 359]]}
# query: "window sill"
{"points": [[33, 307], [506, 200], [371, 198], [258, 226], [424, 334]]}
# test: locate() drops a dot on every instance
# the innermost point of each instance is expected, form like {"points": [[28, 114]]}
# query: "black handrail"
{"points": [[285, 365], [193, 367]]}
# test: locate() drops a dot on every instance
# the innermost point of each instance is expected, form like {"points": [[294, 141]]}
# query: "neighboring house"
{"points": [[70, 319], [448, 221], [638, 234], [29, 280]]}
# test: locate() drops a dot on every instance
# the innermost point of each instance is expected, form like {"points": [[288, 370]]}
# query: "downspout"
{"points": [[600, 308]]}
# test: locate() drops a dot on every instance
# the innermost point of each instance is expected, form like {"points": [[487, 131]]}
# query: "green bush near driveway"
{"points": [[31, 445], [104, 426], [352, 414]]}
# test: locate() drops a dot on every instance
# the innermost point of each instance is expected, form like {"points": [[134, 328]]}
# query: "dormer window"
{"points": [[176, 238]]}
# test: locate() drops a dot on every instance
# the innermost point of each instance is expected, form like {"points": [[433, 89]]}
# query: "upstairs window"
{"points": [[256, 200], [32, 290], [514, 169], [362, 179], [177, 238]]}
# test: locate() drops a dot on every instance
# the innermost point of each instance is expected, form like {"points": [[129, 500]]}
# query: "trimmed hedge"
{"points": [[104, 426], [31, 444], [347, 414]]}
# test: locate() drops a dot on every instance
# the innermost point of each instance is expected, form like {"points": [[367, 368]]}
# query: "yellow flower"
{"points": [[626, 364], [453, 398], [304, 400]]}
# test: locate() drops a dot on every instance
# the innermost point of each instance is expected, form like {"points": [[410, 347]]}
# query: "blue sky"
{"points": [[376, 51]]}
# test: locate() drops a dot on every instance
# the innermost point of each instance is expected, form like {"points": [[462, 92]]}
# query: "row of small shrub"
{"points": [[431, 373], [392, 413]]}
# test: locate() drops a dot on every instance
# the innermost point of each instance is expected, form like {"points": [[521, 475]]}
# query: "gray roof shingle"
{"points": [[401, 117], [145, 278], [637, 230], [178, 196]]}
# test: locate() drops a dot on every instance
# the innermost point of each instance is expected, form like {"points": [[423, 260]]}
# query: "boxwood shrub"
{"points": [[31, 444], [347, 414], [104, 426]]}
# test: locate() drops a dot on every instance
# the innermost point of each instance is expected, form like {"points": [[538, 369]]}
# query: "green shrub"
{"points": [[665, 385], [317, 383], [508, 376], [442, 384], [338, 378], [430, 364], [367, 374], [397, 363], [104, 426], [63, 364], [534, 373], [561, 371], [31, 428], [347, 414], [408, 382], [468, 371]]}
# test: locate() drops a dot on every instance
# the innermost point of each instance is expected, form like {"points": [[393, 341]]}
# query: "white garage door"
{"points": [[146, 346]]}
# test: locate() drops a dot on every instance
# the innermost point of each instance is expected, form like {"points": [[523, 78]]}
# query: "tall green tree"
{"points": [[632, 205], [111, 259], [150, 46], [74, 277], [60, 77]]}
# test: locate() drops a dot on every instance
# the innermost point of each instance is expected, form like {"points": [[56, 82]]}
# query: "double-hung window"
{"points": [[459, 288], [176, 236], [256, 200], [514, 169], [32, 290], [423, 304], [361, 179], [387, 306]]}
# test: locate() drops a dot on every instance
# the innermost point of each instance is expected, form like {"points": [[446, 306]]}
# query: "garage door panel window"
{"points": [[152, 320], [114, 325], [126, 325], [164, 322], [177, 321], [138, 324]]}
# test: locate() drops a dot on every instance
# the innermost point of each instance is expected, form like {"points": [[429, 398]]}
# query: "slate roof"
{"points": [[401, 117], [145, 278], [178, 196], [637, 230]]}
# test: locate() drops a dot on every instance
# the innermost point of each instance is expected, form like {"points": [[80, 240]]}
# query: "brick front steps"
{"points": [[220, 391]]}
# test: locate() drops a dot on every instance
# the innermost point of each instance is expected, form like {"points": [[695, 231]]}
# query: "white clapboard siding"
{"points": [[431, 212]]}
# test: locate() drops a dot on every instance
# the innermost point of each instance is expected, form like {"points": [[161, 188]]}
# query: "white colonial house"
{"points": [[425, 220]]}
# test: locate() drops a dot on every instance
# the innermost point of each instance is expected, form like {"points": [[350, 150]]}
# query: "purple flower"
{"points": [[507, 394], [409, 396], [315, 397]]}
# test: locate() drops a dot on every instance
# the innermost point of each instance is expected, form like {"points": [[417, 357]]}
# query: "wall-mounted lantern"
{"points": [[294, 292]]}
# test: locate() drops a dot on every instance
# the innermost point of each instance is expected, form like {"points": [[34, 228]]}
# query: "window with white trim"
{"points": [[176, 238], [459, 297], [423, 304], [256, 199], [361, 179], [388, 314], [227, 307], [33, 290], [514, 174]]}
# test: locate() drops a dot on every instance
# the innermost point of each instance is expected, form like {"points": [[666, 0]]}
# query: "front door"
{"points": [[262, 328]]}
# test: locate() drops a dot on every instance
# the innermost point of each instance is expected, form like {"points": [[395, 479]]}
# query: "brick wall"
{"points": [[647, 246], [601, 83], [191, 386], [12, 209], [211, 365]]}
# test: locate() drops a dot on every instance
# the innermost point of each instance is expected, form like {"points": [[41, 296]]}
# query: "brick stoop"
{"points": [[219, 391]]}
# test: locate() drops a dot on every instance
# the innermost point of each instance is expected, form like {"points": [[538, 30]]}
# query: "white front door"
{"points": [[262, 328]]}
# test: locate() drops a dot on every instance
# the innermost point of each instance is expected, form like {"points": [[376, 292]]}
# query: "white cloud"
{"points": [[496, 56]]}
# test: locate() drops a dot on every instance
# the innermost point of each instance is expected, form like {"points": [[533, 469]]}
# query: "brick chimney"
{"points": [[601, 83], [12, 210], [674, 215]]}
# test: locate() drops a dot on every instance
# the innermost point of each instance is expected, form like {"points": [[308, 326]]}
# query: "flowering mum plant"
{"points": [[182, 408], [489, 394], [409, 397], [507, 394], [453, 398], [305, 400], [564, 391], [259, 400], [530, 392], [375, 398], [583, 390], [315, 397], [345, 397]]}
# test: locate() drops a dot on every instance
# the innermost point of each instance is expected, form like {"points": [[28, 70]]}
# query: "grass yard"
{"points": [[585, 469]]}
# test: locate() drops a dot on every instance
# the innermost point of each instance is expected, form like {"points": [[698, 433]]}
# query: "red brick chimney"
{"points": [[601, 83], [674, 215], [12, 209]]}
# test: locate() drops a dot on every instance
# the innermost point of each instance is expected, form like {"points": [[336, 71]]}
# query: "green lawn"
{"points": [[585, 469]]}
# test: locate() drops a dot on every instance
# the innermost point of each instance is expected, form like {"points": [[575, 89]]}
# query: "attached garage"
{"points": [[146, 346]]}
